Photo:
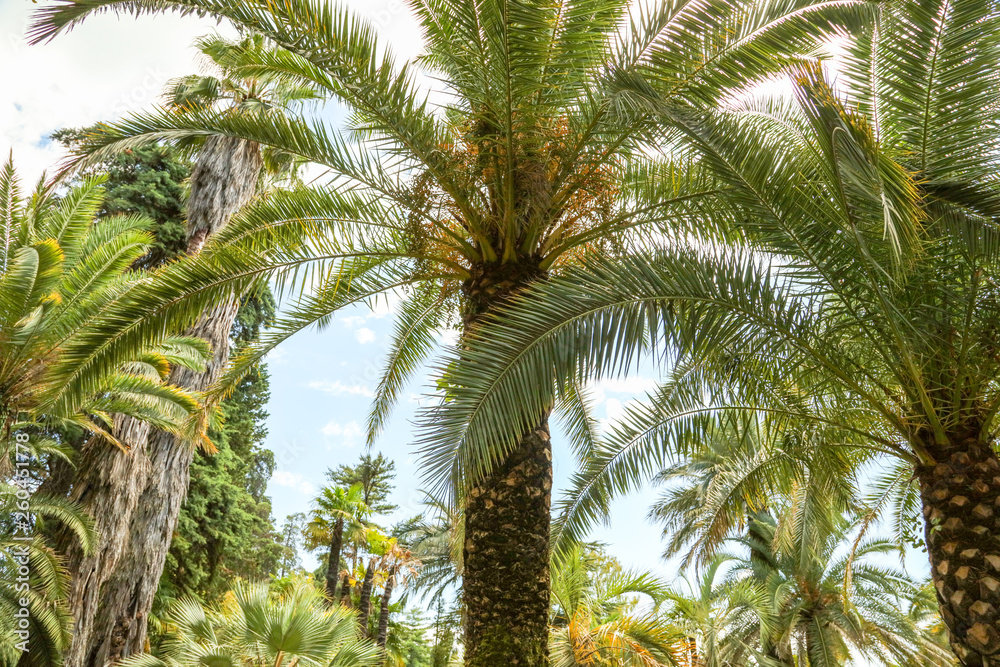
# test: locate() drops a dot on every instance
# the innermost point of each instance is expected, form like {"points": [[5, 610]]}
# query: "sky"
{"points": [[321, 381]]}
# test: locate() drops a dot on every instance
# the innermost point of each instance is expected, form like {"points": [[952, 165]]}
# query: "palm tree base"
{"points": [[961, 499]]}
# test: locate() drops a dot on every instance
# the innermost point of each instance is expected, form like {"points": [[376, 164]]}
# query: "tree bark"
{"points": [[333, 560], [507, 519], [108, 484], [141, 506], [345, 591], [383, 614], [365, 600], [961, 504]]}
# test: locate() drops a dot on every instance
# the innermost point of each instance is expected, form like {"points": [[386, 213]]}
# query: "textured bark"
{"points": [[365, 600], [345, 591], [108, 485], [383, 613], [333, 561], [141, 499], [507, 520], [961, 499]]}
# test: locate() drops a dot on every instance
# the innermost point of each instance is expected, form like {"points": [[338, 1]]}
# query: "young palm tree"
{"points": [[41, 583], [719, 619], [826, 599], [862, 296], [257, 628], [398, 566], [595, 620], [60, 269], [335, 506], [738, 467], [518, 166]]}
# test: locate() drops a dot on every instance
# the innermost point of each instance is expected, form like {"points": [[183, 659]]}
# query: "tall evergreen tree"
{"points": [[375, 475]]}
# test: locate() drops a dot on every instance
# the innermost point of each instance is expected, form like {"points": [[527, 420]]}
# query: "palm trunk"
{"points": [[961, 500], [383, 614], [108, 484], [333, 561], [365, 600], [345, 591], [507, 519], [224, 180]]}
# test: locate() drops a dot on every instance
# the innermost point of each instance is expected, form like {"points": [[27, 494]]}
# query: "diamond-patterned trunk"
{"points": [[507, 520], [961, 499]]}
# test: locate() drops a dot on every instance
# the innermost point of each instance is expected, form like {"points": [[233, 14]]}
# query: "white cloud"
{"points": [[352, 321], [613, 409], [364, 335], [338, 388], [447, 335], [100, 71], [293, 480], [348, 433], [633, 386], [277, 355]]}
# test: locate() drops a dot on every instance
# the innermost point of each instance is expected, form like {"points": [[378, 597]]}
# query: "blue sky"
{"points": [[321, 382], [321, 385]]}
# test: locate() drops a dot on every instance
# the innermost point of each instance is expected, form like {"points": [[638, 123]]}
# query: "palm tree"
{"points": [[398, 566], [861, 295], [595, 620], [827, 599], [741, 465], [717, 617], [524, 163], [257, 628], [139, 493], [61, 269], [31, 572], [334, 507], [378, 546]]}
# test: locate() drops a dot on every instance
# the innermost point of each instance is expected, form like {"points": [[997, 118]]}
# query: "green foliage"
{"points": [[375, 475], [147, 181], [408, 645], [33, 582], [602, 612], [257, 627], [289, 562]]}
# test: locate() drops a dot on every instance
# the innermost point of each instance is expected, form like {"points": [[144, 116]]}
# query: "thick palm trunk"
{"points": [[507, 519], [108, 484], [383, 613], [365, 599], [961, 499], [141, 506], [333, 561]]}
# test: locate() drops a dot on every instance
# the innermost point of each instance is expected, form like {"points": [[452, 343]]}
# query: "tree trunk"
{"points": [[961, 501], [365, 601], [345, 591], [224, 180], [507, 520], [333, 561], [108, 484], [383, 614]]}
